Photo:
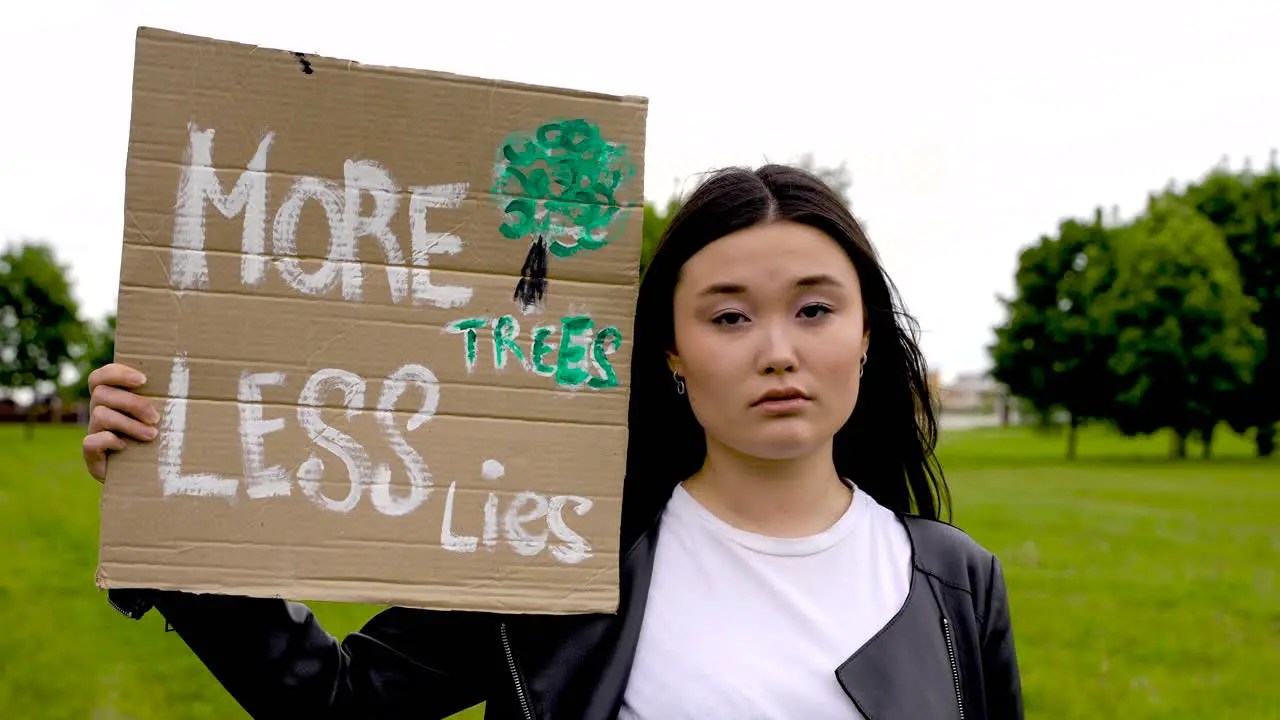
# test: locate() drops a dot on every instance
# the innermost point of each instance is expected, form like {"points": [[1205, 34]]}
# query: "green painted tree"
{"points": [[1246, 207], [1050, 351], [40, 329], [559, 187], [1185, 343]]}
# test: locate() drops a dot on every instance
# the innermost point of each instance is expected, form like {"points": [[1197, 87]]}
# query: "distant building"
{"points": [[48, 409], [935, 389], [977, 393]]}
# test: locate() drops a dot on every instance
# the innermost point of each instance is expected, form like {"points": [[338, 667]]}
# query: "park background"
{"points": [[1081, 207]]}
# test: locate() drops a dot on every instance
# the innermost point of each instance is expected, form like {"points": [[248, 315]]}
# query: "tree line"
{"points": [[46, 346], [1168, 321]]}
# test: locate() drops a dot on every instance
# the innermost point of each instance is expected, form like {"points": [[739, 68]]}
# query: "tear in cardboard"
{"points": [[385, 315]]}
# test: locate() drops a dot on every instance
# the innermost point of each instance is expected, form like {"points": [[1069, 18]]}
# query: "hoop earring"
{"points": [[679, 382], [862, 366]]}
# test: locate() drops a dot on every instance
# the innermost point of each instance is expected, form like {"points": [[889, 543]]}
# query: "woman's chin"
{"points": [[779, 443]]}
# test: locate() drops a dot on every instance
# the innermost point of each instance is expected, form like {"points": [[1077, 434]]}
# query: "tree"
{"points": [[39, 325], [1185, 343], [836, 177], [1050, 351], [655, 224], [99, 349], [1247, 210], [560, 184]]}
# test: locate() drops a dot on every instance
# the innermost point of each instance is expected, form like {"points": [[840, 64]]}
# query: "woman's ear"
{"points": [[673, 362], [866, 342]]}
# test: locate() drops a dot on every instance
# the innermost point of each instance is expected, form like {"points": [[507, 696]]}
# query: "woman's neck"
{"points": [[781, 498]]}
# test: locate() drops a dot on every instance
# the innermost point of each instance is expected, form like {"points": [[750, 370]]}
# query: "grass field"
{"points": [[1141, 587]]}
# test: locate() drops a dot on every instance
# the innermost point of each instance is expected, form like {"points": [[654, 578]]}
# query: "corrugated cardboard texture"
{"points": [[320, 271]]}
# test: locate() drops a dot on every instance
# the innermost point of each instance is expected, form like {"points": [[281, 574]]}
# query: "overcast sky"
{"points": [[970, 128]]}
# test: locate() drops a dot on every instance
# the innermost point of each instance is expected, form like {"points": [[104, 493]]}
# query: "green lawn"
{"points": [[1141, 587]]}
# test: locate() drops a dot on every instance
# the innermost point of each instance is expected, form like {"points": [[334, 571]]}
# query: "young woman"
{"points": [[783, 555]]}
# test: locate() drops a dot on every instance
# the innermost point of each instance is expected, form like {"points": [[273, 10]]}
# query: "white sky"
{"points": [[971, 128]]}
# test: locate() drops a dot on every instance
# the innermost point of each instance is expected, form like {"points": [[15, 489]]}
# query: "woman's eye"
{"points": [[729, 318], [814, 311]]}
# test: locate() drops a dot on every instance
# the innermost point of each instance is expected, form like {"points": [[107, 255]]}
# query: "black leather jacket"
{"points": [[947, 654]]}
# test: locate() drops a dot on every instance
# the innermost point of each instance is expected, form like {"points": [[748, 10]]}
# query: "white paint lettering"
{"points": [[575, 548], [449, 541], [369, 176], [360, 470], [520, 539], [491, 470], [414, 465], [517, 524], [197, 182], [407, 278], [260, 482], [173, 432], [491, 522], [284, 240], [426, 243]]}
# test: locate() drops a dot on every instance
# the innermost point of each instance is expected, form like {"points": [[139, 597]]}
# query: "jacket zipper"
{"points": [[955, 668], [130, 613], [515, 674]]}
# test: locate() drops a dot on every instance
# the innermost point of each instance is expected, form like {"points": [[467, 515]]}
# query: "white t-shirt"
{"points": [[741, 625]]}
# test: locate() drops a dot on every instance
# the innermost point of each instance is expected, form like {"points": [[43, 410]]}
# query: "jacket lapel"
{"points": [[578, 666], [904, 671], [637, 571]]}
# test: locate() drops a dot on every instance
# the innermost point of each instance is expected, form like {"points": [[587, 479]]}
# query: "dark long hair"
{"points": [[887, 446]]}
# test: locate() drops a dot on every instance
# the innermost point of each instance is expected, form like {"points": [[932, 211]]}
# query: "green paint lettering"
{"points": [[570, 360], [540, 349], [505, 331], [467, 327], [607, 342]]}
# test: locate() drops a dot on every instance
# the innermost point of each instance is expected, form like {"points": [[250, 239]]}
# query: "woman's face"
{"points": [[769, 333]]}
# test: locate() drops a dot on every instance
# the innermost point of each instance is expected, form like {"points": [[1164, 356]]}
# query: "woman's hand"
{"points": [[115, 413]]}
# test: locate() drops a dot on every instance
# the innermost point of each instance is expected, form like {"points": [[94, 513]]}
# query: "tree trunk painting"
{"points": [[559, 186]]}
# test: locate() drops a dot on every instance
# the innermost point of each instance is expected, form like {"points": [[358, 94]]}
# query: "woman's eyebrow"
{"points": [[808, 281], [819, 280], [723, 289]]}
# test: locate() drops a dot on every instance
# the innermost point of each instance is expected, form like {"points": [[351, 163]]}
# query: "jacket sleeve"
{"points": [[276, 660], [999, 658]]}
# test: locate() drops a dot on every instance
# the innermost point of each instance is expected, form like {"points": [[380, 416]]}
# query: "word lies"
{"points": [[263, 481], [577, 336], [199, 182]]}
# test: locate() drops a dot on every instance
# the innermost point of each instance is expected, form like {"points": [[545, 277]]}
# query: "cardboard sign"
{"points": [[385, 315]]}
